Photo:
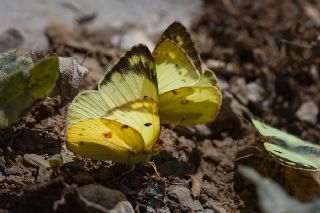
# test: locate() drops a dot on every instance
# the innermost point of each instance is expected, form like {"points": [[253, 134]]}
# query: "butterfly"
{"points": [[188, 91], [120, 120], [288, 149]]}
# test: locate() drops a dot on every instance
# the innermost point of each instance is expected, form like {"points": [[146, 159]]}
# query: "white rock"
{"points": [[308, 111]]}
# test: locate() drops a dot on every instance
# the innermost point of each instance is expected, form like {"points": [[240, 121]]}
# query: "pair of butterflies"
{"points": [[121, 120], [288, 149]]}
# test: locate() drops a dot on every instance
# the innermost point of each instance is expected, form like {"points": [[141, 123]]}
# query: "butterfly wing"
{"points": [[132, 78], [306, 158], [142, 115], [178, 33], [208, 78], [190, 105], [174, 67], [111, 123], [186, 97], [104, 139], [89, 104], [288, 149], [269, 131]]}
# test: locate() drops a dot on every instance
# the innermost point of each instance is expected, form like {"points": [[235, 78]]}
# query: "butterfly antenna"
{"points": [[243, 157], [254, 147], [263, 161]]}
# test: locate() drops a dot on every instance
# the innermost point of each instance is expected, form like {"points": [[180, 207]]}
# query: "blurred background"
{"points": [[31, 17]]}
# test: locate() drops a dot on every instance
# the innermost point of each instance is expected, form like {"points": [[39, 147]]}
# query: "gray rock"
{"points": [[72, 74], [183, 195], [308, 111], [110, 199], [33, 17], [10, 39]]}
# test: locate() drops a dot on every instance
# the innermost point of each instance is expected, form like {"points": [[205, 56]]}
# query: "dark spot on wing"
{"points": [[180, 73], [80, 134], [147, 124], [306, 150], [184, 101], [107, 134], [124, 127], [277, 151], [279, 142]]}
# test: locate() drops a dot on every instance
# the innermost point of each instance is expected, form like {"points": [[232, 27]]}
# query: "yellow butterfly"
{"points": [[119, 121], [188, 92]]}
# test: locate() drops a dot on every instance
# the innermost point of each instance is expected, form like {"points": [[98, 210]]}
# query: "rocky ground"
{"points": [[266, 56]]}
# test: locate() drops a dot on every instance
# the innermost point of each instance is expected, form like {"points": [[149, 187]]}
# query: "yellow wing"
{"points": [[190, 105], [186, 97], [104, 139], [178, 33], [142, 115], [120, 121], [208, 78], [174, 68], [132, 78]]}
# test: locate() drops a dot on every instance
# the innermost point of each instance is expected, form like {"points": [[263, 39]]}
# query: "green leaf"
{"points": [[273, 198], [21, 84]]}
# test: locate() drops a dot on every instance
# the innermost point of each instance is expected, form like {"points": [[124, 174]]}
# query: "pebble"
{"points": [[308, 111], [184, 196], [111, 199]]}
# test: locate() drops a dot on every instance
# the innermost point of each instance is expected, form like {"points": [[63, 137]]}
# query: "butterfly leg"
{"points": [[264, 159], [131, 169], [154, 166]]}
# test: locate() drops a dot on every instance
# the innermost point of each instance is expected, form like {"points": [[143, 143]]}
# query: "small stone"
{"points": [[254, 92], [308, 112], [203, 130], [10, 39], [183, 195], [112, 200], [133, 36]]}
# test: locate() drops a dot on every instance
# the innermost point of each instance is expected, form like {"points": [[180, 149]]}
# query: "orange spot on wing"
{"points": [[184, 101], [107, 134]]}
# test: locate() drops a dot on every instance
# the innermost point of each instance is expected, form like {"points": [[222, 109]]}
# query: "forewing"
{"points": [[132, 78], [269, 131], [178, 33], [174, 67]]}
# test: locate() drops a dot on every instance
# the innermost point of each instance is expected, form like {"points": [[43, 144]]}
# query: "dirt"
{"points": [[267, 61]]}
